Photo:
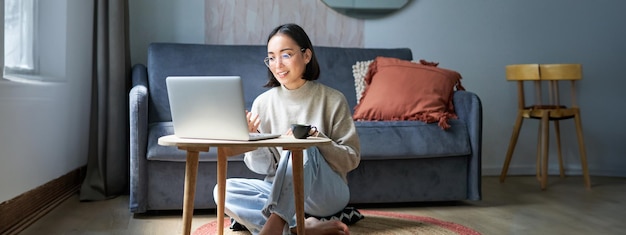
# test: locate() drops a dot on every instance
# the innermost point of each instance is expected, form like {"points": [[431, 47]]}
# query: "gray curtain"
{"points": [[107, 165]]}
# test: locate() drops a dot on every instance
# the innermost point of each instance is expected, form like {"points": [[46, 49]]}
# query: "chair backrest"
{"points": [[522, 72], [551, 73], [560, 71]]}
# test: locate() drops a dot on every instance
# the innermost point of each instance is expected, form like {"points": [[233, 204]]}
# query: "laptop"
{"points": [[209, 107]]}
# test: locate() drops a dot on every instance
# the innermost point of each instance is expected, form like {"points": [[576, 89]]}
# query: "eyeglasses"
{"points": [[284, 57]]}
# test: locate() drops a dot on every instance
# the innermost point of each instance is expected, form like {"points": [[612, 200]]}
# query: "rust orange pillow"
{"points": [[402, 90]]}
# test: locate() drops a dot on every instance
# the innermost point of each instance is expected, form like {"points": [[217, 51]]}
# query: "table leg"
{"points": [[191, 173], [298, 187], [221, 188]]}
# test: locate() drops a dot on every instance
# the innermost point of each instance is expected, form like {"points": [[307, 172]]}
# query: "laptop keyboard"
{"points": [[260, 136]]}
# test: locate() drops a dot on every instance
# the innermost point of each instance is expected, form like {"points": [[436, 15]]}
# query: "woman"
{"points": [[268, 206]]}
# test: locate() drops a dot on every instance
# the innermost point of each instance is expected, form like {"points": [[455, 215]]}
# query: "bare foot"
{"points": [[330, 227]]}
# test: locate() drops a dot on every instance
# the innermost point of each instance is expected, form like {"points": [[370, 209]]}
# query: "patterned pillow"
{"points": [[236, 226], [348, 216]]}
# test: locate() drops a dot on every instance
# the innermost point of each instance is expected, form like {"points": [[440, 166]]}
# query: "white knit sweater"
{"points": [[315, 104]]}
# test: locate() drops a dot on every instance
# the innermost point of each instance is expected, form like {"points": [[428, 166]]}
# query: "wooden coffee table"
{"points": [[195, 146]]}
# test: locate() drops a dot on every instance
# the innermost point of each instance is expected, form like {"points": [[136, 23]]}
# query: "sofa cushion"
{"points": [[379, 141], [410, 139], [169, 153], [170, 59], [336, 66], [403, 90], [179, 59]]}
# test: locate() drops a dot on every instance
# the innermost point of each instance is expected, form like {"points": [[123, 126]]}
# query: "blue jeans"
{"points": [[251, 201]]}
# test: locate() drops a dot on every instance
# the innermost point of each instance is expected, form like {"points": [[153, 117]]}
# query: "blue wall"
{"points": [[479, 38]]}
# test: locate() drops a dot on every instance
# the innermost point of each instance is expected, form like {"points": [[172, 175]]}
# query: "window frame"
{"points": [[33, 28], [2, 38], [25, 75]]}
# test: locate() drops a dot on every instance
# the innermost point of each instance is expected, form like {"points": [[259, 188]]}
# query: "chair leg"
{"points": [[546, 127], [581, 146], [509, 153], [539, 149], [557, 131]]}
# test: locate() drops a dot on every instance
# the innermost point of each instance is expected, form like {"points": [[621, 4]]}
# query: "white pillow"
{"points": [[359, 70]]}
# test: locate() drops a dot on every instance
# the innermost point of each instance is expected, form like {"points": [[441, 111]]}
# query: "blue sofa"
{"points": [[402, 161]]}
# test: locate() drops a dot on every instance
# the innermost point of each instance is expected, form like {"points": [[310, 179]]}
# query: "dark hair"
{"points": [[295, 32]]}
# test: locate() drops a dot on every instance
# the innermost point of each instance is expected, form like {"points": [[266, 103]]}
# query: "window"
{"points": [[19, 37], [35, 40]]}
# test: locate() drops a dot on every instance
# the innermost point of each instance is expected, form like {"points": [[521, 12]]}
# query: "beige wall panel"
{"points": [[242, 22]]}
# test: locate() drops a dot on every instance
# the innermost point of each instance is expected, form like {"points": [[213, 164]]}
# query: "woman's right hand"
{"points": [[253, 121]]}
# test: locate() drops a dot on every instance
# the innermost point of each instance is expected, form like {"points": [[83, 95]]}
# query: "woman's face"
{"points": [[287, 61]]}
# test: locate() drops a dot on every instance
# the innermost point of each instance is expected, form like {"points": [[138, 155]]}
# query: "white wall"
{"points": [[43, 127], [478, 38]]}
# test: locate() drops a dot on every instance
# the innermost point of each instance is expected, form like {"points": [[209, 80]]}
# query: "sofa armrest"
{"points": [[138, 110], [468, 108]]}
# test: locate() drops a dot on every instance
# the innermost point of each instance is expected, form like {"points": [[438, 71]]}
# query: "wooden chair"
{"points": [[552, 110]]}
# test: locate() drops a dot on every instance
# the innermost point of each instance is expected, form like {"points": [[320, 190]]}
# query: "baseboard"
{"points": [[20, 212], [529, 170]]}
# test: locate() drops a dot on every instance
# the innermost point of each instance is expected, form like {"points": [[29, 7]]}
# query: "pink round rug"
{"points": [[376, 222]]}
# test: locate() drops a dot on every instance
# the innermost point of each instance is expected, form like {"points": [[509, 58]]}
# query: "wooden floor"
{"points": [[517, 206]]}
